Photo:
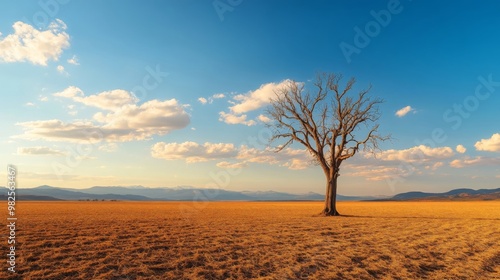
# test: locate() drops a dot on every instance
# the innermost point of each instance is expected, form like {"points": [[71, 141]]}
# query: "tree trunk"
{"points": [[331, 198]]}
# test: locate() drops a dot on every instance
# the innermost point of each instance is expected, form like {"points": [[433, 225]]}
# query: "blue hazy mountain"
{"points": [[188, 193]]}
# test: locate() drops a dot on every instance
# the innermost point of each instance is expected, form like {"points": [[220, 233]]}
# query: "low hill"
{"points": [[456, 194]]}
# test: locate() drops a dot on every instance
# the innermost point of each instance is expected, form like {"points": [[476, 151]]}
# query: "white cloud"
{"points": [[43, 98], [30, 44], [125, 120], [235, 119], [193, 152], [218, 96], [70, 92], [251, 101], [29, 104], [211, 99], [61, 70], [202, 100], [39, 151], [491, 145], [461, 149], [73, 60], [131, 122], [263, 119], [404, 111], [416, 154], [258, 98], [152, 117], [468, 161], [108, 100]]}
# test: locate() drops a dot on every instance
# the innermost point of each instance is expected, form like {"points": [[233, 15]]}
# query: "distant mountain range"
{"points": [[186, 193], [182, 193]]}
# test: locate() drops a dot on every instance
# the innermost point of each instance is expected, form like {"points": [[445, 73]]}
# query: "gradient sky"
{"points": [[172, 93]]}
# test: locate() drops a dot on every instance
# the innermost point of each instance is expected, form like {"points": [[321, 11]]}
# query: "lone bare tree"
{"points": [[327, 123]]}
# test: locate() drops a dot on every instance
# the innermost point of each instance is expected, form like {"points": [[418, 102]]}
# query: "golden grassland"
{"points": [[256, 240]]}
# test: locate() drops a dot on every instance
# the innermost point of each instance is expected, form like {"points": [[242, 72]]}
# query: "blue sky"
{"points": [[172, 93]]}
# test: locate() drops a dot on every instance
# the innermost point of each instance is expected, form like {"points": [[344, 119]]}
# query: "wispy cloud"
{"points": [[39, 151], [211, 99], [468, 161], [108, 147], [194, 152], [294, 159], [393, 164], [218, 96], [229, 165], [73, 60], [376, 173], [61, 70], [416, 154]]}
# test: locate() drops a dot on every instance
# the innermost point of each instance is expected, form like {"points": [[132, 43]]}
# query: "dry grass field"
{"points": [[256, 240]]}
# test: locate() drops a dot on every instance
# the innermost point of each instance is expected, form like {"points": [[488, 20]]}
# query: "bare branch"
{"points": [[327, 122]]}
